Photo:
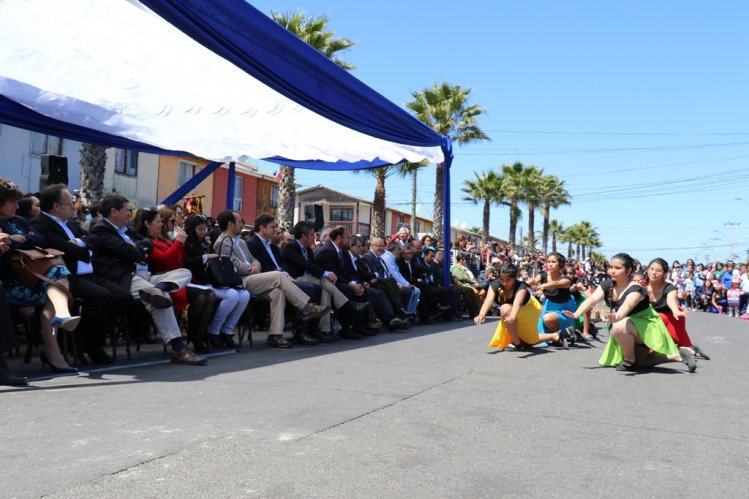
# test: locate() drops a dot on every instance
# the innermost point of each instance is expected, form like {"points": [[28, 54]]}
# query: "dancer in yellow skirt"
{"points": [[518, 309]]}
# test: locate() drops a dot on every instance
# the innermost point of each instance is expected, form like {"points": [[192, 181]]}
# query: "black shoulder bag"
{"points": [[220, 270]]}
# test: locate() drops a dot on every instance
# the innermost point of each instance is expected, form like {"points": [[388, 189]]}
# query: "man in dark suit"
{"points": [[264, 248], [448, 294], [333, 257], [120, 256], [298, 260], [397, 295], [429, 306], [105, 301]]}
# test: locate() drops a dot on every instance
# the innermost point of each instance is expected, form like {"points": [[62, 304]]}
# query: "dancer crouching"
{"points": [[662, 295], [519, 312], [556, 287], [638, 335]]}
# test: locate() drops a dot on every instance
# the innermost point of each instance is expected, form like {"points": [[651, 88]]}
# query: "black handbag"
{"points": [[221, 272]]}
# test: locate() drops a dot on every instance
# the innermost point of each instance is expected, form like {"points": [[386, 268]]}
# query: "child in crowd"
{"points": [[733, 297], [689, 290], [719, 298]]}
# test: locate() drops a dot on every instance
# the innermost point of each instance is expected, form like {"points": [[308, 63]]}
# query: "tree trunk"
{"points": [[578, 253], [437, 228], [378, 210], [545, 237], [286, 198], [513, 222], [413, 204], [485, 225], [554, 243], [570, 250], [93, 163], [531, 228]]}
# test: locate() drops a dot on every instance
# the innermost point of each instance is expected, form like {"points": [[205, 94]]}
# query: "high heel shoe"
{"points": [[65, 323], [59, 370]]}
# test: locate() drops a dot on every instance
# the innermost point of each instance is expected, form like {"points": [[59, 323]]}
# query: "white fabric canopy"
{"points": [[115, 67]]}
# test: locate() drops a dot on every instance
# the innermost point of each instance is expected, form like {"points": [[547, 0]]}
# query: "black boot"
{"points": [[7, 378]]}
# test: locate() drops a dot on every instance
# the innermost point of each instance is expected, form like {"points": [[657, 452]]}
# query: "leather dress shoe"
{"points": [[321, 337], [396, 323], [371, 326], [228, 340], [303, 338], [359, 307], [454, 318], [216, 341], [7, 378], [277, 341], [187, 357], [349, 334], [155, 297], [313, 311], [99, 356], [362, 331]]}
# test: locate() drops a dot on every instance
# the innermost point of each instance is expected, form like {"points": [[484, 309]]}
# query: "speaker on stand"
{"points": [[319, 218], [54, 170]]}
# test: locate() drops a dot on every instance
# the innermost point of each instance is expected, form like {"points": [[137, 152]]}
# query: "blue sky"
{"points": [[640, 107]]}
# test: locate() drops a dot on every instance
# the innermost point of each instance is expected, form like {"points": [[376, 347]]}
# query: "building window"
{"points": [[186, 171], [418, 227], [401, 220], [238, 187], [126, 162], [274, 196], [45, 144], [341, 214]]}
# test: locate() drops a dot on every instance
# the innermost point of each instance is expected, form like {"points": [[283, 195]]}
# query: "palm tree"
{"points": [[445, 109], [513, 189], [487, 188], [556, 228], [413, 169], [314, 31], [529, 193], [553, 195], [377, 228], [93, 162], [569, 236], [588, 237]]}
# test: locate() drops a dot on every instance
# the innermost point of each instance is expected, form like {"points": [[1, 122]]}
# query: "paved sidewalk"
{"points": [[427, 413]]}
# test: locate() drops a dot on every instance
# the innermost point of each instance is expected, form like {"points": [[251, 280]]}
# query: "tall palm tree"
{"points": [[377, 227], [553, 195], [513, 189], [555, 230], [93, 162], [444, 108], [487, 189], [314, 31], [529, 193], [570, 236]]}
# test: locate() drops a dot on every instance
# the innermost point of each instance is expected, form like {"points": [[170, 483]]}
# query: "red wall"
{"points": [[249, 194]]}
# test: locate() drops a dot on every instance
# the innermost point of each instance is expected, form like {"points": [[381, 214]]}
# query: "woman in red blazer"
{"points": [[170, 255]]}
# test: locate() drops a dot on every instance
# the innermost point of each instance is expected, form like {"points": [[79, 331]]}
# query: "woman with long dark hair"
{"points": [[232, 301], [638, 335], [662, 296], [170, 255], [519, 311], [555, 286]]}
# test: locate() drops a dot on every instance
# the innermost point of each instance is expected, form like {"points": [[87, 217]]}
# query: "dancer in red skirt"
{"points": [[662, 296]]}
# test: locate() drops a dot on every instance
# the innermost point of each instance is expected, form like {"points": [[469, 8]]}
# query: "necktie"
{"points": [[353, 262], [384, 266], [340, 257]]}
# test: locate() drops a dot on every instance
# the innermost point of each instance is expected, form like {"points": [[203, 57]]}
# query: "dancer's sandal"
{"points": [[688, 359], [700, 352], [626, 365]]}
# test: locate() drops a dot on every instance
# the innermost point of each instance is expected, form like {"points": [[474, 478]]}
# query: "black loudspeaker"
{"points": [[319, 218], [54, 171]]}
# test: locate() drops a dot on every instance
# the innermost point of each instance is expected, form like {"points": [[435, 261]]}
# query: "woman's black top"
{"points": [[661, 305], [501, 296], [556, 295], [194, 260], [608, 292]]}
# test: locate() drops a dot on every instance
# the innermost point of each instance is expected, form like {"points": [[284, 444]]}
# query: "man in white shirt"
{"points": [[389, 256]]}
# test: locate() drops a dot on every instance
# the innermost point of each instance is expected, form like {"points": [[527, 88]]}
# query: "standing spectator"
{"points": [[733, 297]]}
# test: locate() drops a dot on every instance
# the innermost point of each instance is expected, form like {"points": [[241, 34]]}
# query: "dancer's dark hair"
{"points": [[628, 261]]}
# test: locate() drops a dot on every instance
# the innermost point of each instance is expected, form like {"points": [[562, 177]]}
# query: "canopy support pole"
{"points": [[191, 184]]}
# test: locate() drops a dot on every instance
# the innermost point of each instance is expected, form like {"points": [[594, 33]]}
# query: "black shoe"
{"points": [[358, 307], [349, 334], [396, 323], [700, 352], [362, 331], [155, 297], [626, 366], [301, 338], [687, 359], [321, 337], [427, 321], [277, 341], [99, 356], [228, 340], [454, 318], [372, 327], [54, 368], [7, 378], [215, 340]]}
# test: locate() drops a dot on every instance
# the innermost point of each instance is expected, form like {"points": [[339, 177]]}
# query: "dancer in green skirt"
{"points": [[638, 336]]}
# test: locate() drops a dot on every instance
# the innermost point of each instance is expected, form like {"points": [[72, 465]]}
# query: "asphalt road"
{"points": [[427, 413]]}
